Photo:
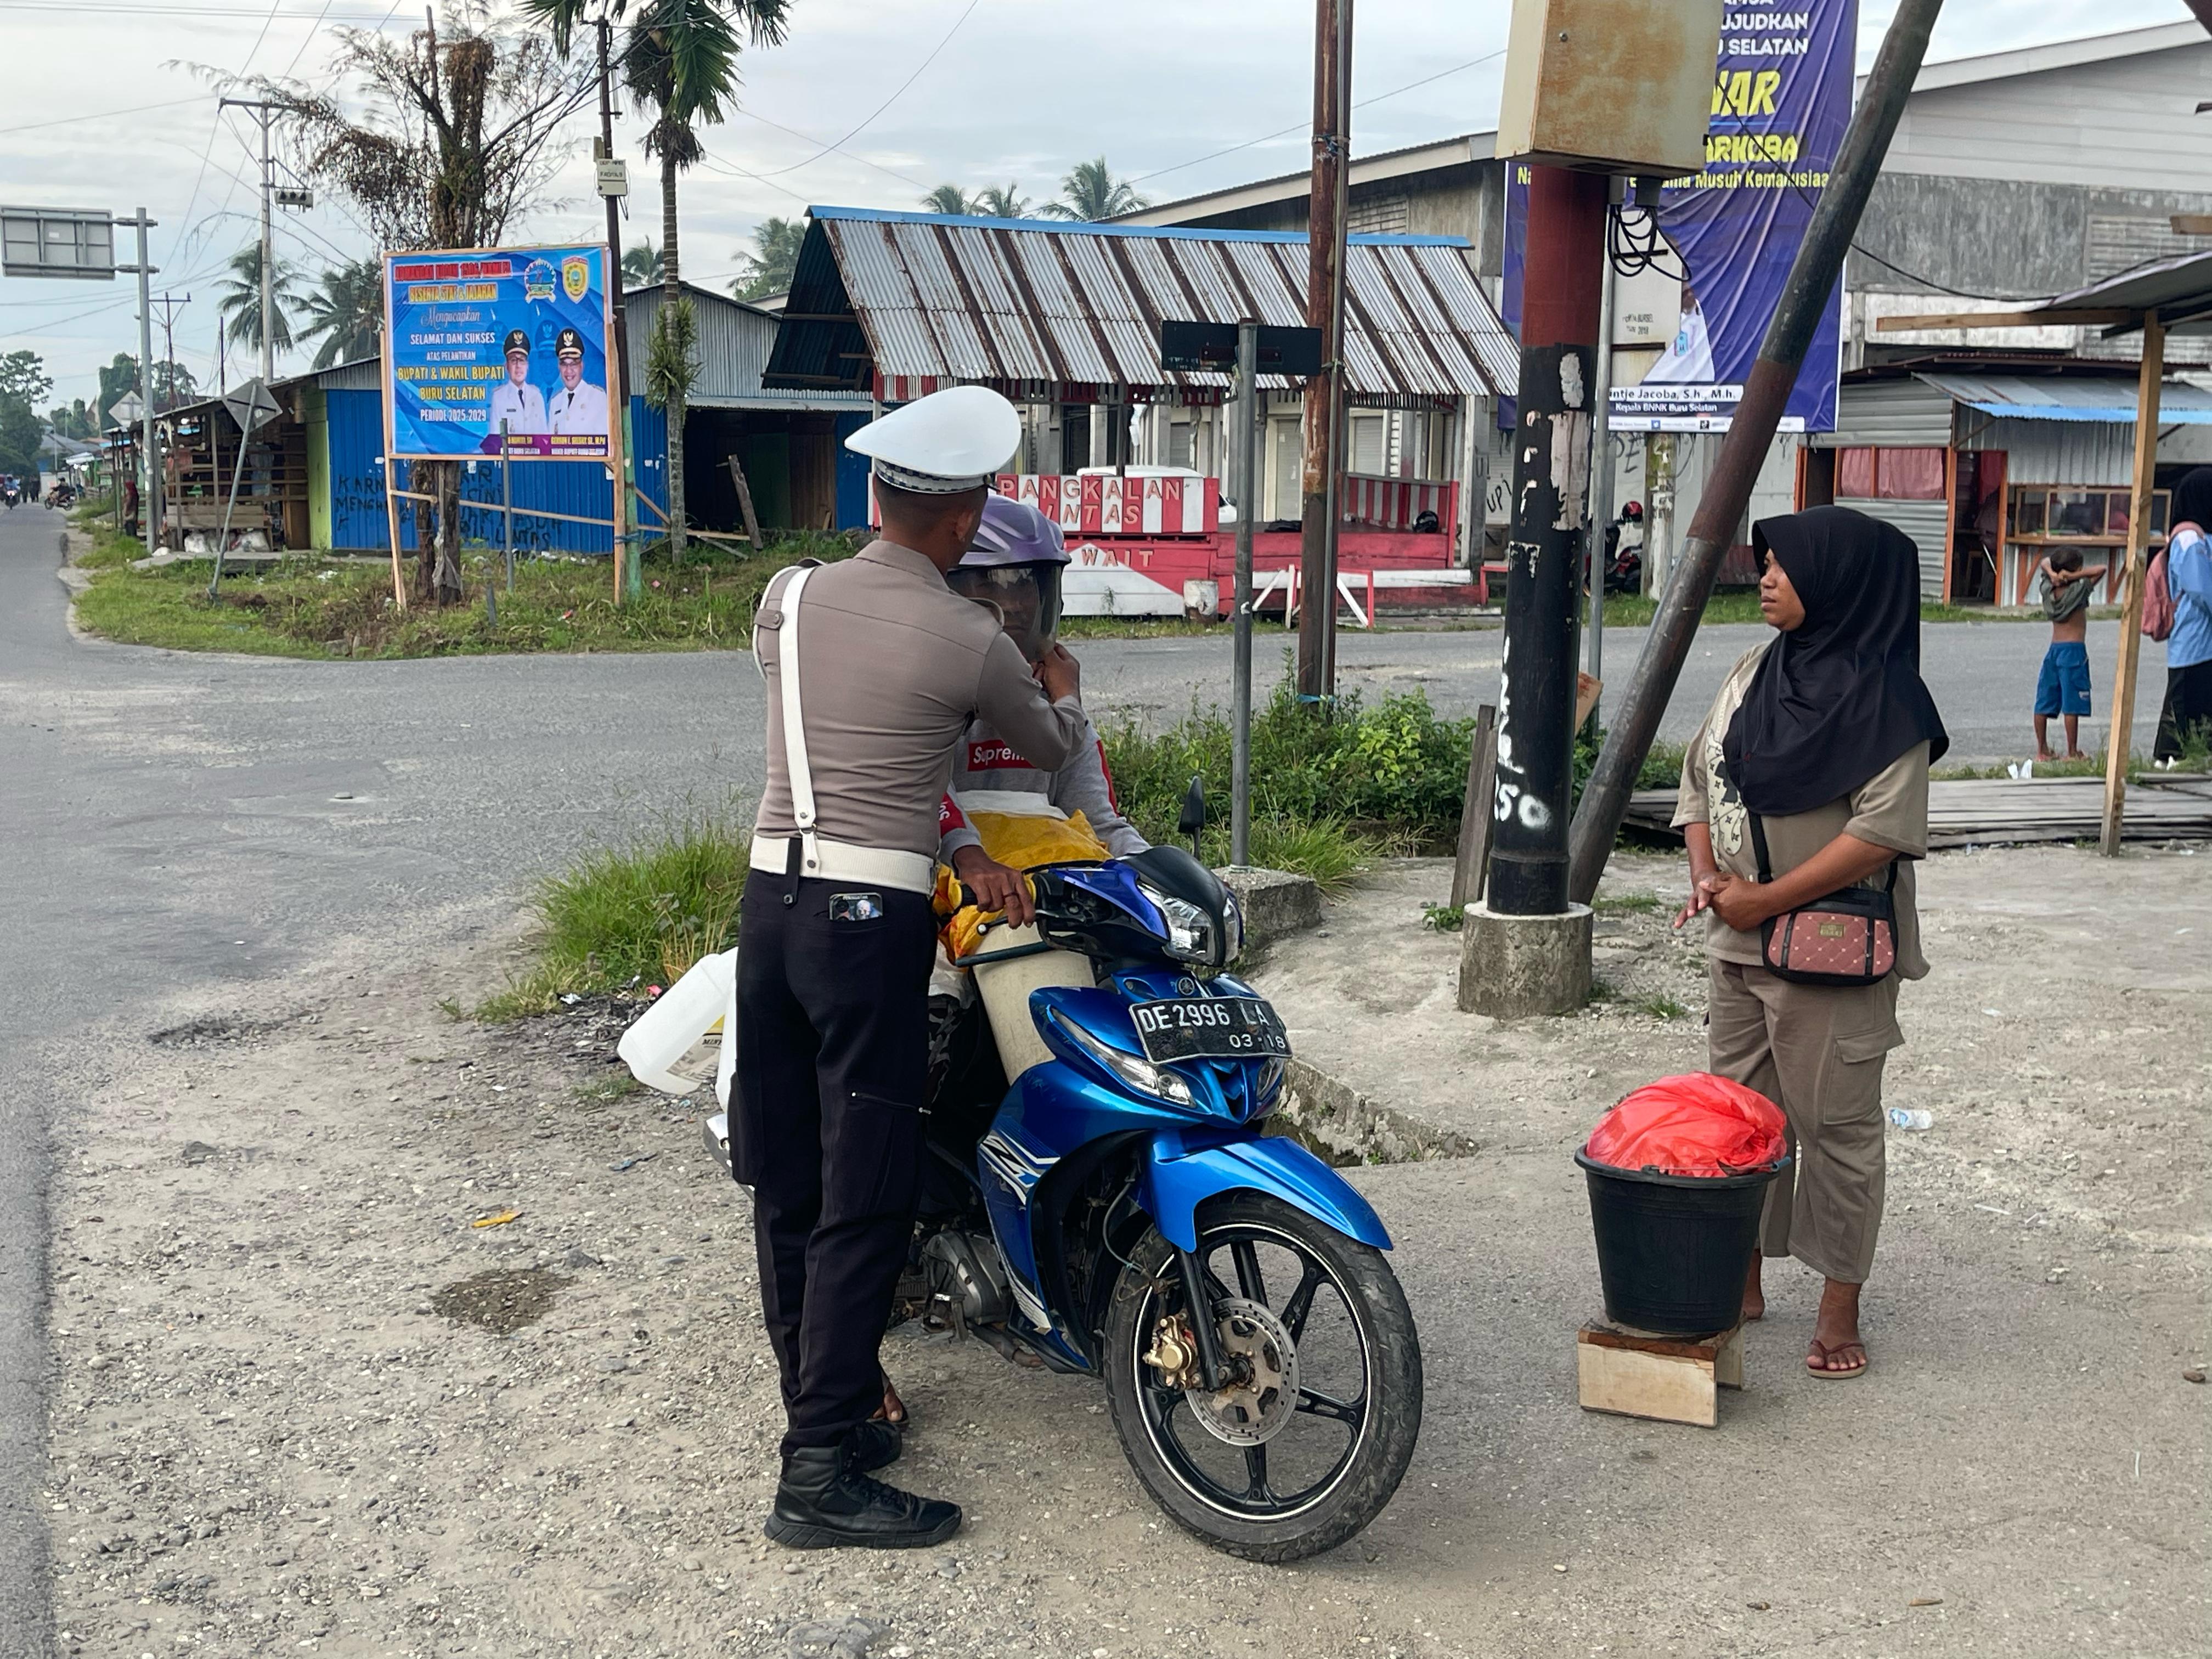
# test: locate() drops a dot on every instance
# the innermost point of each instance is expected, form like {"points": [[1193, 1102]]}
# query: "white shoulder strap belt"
{"points": [[820, 858]]}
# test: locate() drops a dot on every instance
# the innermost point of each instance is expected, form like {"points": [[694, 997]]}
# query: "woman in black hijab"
{"points": [[1824, 735]]}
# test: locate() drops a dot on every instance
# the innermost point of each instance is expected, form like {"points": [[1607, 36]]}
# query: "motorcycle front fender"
{"points": [[1180, 1173]]}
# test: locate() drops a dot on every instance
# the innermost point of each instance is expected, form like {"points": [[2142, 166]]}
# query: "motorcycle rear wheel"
{"points": [[1275, 1486]]}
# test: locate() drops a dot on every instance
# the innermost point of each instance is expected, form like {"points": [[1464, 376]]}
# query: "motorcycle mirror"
{"points": [[1192, 820]]}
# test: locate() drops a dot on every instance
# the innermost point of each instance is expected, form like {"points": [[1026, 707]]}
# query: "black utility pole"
{"points": [[1550, 487]]}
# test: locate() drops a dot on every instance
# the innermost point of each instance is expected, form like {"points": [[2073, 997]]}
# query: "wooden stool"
{"points": [[1674, 1379]]}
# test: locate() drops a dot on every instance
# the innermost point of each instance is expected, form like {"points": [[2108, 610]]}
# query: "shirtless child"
{"points": [[2062, 686]]}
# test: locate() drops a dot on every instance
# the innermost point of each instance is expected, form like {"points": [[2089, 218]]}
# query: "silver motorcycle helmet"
{"points": [[1014, 565]]}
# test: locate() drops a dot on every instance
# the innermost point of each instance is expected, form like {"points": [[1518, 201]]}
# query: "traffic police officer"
{"points": [[578, 406], [517, 402], [874, 669]]}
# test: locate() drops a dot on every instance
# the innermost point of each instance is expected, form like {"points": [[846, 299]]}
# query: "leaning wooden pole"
{"points": [[1805, 299], [2152, 376]]}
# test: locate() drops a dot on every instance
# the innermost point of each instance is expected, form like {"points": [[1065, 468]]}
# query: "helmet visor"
{"points": [[1027, 597]]}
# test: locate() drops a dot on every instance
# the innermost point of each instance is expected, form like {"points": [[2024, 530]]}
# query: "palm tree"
{"points": [[347, 311], [774, 258], [1092, 192], [947, 199], [683, 60], [241, 300], [1001, 201], [642, 263]]}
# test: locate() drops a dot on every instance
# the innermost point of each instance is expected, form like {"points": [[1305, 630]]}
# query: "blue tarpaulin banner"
{"points": [[513, 335], [1781, 100]]}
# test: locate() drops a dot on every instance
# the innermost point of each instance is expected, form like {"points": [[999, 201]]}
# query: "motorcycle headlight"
{"points": [[1190, 930], [1134, 1070]]}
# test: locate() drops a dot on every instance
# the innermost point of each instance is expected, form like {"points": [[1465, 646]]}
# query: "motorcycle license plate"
{"points": [[1209, 1027]]}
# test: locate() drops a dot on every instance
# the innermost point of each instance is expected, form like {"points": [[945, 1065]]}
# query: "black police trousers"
{"points": [[833, 981]]}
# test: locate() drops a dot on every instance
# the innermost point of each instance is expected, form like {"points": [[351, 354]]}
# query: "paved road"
{"points": [[176, 824], [1983, 675]]}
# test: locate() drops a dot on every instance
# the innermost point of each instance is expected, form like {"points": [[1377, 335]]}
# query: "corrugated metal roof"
{"points": [[2179, 287], [1051, 310], [734, 341], [2072, 397]]}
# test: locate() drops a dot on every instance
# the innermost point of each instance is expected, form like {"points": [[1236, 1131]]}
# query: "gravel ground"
{"points": [[301, 1403], [270, 1437]]}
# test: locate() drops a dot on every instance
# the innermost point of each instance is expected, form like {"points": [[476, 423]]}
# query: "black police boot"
{"points": [[875, 1445], [824, 1502]]}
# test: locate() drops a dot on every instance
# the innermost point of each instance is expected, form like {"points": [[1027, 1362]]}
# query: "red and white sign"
{"points": [[1105, 504]]}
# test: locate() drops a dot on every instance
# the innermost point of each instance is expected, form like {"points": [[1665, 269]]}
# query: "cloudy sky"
{"points": [[104, 109]]}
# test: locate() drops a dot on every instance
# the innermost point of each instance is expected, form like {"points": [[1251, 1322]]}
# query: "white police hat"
{"points": [[945, 443]]}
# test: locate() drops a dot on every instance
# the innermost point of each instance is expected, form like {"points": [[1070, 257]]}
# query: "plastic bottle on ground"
{"points": [[1903, 1118]]}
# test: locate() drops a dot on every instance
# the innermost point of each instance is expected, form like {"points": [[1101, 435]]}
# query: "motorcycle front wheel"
{"points": [[1313, 1430]]}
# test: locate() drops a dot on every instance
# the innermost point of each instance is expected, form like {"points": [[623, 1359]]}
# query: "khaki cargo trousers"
{"points": [[1817, 1051]]}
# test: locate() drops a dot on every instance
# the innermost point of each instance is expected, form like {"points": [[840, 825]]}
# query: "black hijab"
{"points": [[2193, 499], [1835, 701]]}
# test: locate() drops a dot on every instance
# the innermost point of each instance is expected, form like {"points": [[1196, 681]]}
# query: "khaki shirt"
{"points": [[895, 667], [1889, 809]]}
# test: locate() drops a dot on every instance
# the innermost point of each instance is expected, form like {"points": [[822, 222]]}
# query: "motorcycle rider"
{"points": [[1015, 565], [832, 1046]]}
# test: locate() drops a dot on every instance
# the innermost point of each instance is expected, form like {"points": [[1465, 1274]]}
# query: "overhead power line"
{"points": [[1301, 126]]}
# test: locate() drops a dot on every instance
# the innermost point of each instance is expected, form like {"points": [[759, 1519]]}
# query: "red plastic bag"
{"points": [[1693, 1125]]}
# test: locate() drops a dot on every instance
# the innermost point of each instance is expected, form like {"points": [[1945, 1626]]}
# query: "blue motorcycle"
{"points": [[1118, 1209]]}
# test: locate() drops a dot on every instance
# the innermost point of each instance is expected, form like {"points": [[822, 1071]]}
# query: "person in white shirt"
{"points": [[578, 406], [517, 402]]}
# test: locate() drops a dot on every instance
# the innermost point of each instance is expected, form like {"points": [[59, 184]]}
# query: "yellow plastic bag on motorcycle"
{"points": [[1021, 832]]}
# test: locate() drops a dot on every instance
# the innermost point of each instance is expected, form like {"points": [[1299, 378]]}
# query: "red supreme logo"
{"points": [[995, 756]]}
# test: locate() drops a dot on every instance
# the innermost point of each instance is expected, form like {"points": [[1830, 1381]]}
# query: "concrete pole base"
{"points": [[1513, 966]]}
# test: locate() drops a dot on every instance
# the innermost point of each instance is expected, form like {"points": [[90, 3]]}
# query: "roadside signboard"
{"points": [[252, 405], [58, 242], [1781, 100], [126, 410], [475, 337]]}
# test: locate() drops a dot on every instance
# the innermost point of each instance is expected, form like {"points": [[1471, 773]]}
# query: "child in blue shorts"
{"points": [[2062, 687]]}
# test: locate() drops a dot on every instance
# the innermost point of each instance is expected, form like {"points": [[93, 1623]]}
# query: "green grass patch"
{"points": [[634, 915], [319, 608], [1136, 627], [1330, 792], [1661, 1007], [111, 548], [1443, 917], [1637, 610], [1741, 604], [2195, 756]]}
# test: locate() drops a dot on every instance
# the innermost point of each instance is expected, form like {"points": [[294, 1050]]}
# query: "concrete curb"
{"points": [[1275, 903], [1342, 1120]]}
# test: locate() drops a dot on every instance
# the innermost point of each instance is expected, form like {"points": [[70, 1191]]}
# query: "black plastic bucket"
{"points": [[1673, 1250]]}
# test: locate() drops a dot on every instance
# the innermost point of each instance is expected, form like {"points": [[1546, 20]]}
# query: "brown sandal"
{"points": [[1816, 1361]]}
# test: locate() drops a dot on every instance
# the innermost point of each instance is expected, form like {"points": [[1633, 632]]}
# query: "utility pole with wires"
{"points": [[265, 113], [170, 304], [1324, 410], [613, 185]]}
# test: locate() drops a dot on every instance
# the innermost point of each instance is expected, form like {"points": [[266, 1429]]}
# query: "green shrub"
{"points": [[1395, 770], [636, 915]]}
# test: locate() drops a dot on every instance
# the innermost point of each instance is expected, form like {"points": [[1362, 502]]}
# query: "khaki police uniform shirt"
{"points": [[1889, 809], [894, 665]]}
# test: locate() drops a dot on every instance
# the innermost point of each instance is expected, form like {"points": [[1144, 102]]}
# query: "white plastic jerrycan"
{"points": [[685, 1013]]}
